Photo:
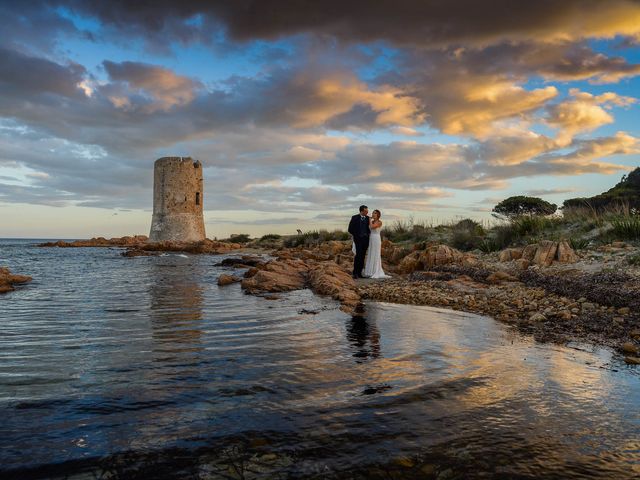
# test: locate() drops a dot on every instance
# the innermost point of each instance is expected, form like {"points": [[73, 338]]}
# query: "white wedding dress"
{"points": [[373, 263]]}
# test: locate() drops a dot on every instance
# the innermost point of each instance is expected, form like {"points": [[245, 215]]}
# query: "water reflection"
{"points": [[176, 308], [364, 337]]}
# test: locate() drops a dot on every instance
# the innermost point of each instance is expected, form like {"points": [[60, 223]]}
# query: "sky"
{"points": [[301, 111]]}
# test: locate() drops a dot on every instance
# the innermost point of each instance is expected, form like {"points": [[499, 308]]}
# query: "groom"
{"points": [[359, 229]]}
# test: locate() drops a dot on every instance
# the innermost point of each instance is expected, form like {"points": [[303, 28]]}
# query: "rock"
{"points": [[99, 242], [278, 276], [629, 347], [410, 263], [545, 253], [509, 254], [501, 277], [564, 315], [328, 278], [245, 260], [624, 311], [537, 317], [8, 280], [635, 334], [225, 279], [522, 263], [565, 253], [632, 360], [251, 272], [136, 252], [529, 252]]}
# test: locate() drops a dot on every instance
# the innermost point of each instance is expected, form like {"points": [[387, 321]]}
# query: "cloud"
{"points": [[26, 76], [162, 87], [548, 191], [584, 113], [402, 22]]}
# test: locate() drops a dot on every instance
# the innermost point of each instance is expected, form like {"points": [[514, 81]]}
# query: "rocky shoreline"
{"points": [[139, 245], [546, 289]]}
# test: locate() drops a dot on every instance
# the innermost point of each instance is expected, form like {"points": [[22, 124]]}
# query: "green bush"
{"points": [[626, 227], [578, 243], [489, 245], [270, 236]]}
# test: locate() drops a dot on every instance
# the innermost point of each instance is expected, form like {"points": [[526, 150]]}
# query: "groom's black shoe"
{"points": [[354, 276]]}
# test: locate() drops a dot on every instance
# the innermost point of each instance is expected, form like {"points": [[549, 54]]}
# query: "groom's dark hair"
{"points": [[362, 207]]}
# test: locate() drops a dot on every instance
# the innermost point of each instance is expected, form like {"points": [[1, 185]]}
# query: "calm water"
{"points": [[114, 367]]}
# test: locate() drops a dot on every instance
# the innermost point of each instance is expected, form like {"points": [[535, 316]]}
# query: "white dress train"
{"points": [[373, 263]]}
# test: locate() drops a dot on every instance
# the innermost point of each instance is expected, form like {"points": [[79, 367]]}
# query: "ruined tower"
{"points": [[177, 200]]}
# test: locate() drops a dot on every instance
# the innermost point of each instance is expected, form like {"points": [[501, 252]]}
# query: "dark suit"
{"points": [[360, 231]]}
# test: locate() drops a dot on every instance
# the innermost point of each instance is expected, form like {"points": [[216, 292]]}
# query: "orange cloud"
{"points": [[584, 113]]}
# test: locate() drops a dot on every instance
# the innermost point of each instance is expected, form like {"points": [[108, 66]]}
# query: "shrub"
{"points": [[578, 243], [467, 234], [238, 238], [489, 245], [315, 237], [521, 205], [627, 227], [270, 236], [634, 260], [504, 236]]}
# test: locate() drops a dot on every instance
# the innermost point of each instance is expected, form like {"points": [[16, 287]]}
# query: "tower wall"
{"points": [[177, 200]]}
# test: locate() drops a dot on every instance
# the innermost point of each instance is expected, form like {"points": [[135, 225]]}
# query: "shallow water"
{"points": [[144, 368]]}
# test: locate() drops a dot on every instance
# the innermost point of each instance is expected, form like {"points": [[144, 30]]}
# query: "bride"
{"points": [[373, 265]]}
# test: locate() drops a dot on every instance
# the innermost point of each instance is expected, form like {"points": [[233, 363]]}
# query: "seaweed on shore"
{"points": [[604, 288]]}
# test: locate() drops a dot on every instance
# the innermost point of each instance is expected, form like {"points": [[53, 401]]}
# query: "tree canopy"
{"points": [[521, 205]]}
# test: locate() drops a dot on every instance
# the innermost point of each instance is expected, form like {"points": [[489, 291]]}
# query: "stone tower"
{"points": [[177, 200]]}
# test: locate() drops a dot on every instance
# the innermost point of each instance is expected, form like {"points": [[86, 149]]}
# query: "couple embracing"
{"points": [[365, 231]]}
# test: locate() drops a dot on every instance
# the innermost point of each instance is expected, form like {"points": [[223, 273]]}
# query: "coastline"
{"points": [[545, 290]]}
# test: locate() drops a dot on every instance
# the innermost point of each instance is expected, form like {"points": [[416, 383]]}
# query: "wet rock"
{"points": [[136, 252], [251, 272], [8, 280], [635, 334], [328, 278], [632, 360], [245, 261], [225, 279], [278, 276], [99, 242]]}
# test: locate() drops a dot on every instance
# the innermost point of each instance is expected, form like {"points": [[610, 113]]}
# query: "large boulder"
{"points": [[545, 253], [328, 278], [434, 256], [282, 275], [8, 280], [565, 253]]}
